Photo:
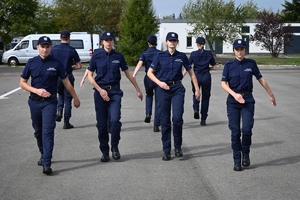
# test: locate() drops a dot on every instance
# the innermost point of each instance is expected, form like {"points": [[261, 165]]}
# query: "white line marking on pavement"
{"points": [[8, 93]]}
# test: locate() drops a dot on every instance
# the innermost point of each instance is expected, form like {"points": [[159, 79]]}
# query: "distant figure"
{"points": [[237, 81], [202, 59], [146, 58], [67, 55]]}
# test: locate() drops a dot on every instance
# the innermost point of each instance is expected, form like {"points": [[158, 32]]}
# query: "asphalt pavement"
{"points": [[205, 172]]}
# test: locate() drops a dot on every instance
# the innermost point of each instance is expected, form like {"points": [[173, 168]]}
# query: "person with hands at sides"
{"points": [[107, 63], [237, 82], [44, 71], [146, 58], [67, 55], [203, 61], [166, 72]]}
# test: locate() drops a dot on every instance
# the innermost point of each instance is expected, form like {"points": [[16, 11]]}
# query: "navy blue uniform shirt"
{"points": [[65, 54], [201, 60], [44, 73], [148, 56], [169, 67], [107, 66], [239, 74]]}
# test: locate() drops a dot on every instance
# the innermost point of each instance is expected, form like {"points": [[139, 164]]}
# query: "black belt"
{"points": [[244, 93], [110, 87], [201, 72], [170, 83], [39, 98]]}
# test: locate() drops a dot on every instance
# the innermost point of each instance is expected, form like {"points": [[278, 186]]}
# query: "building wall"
{"points": [[181, 27]]}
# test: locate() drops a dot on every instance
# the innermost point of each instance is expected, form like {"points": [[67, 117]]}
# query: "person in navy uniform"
{"points": [[166, 72], [203, 62], [146, 58], [67, 55], [237, 81], [107, 63], [44, 71]]}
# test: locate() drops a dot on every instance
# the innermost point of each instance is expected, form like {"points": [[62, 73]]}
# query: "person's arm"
{"points": [[213, 67], [40, 92], [161, 84], [134, 83], [83, 78], [238, 97], [195, 83], [77, 66], [137, 68], [102, 92], [71, 90], [264, 83], [184, 72]]}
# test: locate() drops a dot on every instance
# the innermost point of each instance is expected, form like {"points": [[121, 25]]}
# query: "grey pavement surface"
{"points": [[205, 172]]}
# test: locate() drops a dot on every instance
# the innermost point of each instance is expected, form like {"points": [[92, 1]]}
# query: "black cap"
{"points": [[44, 40], [152, 39], [107, 35], [200, 40], [172, 36], [65, 33]]}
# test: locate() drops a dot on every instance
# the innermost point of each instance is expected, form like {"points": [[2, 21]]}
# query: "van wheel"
{"points": [[13, 61]]}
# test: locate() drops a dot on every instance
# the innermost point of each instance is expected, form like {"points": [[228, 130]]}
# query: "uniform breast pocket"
{"points": [[51, 73], [234, 80]]}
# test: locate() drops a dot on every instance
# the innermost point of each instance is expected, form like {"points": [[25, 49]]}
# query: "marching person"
{"points": [[44, 71], [203, 61], [107, 64], [67, 55], [166, 72], [237, 82], [146, 58]]}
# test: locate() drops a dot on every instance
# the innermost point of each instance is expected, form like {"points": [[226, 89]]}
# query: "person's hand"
{"points": [[197, 95], [239, 98], [43, 93], [81, 83], [104, 95], [272, 99], [76, 102], [140, 95], [164, 86]]}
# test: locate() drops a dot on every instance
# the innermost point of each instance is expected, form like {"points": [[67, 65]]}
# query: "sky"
{"points": [[168, 7]]}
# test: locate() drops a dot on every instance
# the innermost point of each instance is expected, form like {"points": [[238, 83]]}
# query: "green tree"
{"points": [[16, 17], [137, 22], [291, 11], [44, 21], [92, 16], [271, 33], [216, 20]]}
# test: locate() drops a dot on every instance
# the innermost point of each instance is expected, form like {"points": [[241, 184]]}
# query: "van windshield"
{"points": [[23, 45], [77, 44]]}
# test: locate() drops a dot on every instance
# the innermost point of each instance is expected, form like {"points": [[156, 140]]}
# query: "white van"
{"points": [[83, 42]]}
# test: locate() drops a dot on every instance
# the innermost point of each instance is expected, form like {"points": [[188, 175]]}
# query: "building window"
{"points": [[245, 29], [188, 41]]}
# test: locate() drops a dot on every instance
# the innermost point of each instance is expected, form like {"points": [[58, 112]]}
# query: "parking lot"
{"points": [[205, 172]]}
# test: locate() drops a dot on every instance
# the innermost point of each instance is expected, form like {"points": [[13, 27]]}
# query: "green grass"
{"points": [[278, 61]]}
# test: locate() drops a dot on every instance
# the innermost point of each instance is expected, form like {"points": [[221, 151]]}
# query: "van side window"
{"points": [[77, 44], [23, 45]]}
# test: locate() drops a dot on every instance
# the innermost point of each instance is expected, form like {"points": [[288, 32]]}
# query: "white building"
{"points": [[187, 44]]}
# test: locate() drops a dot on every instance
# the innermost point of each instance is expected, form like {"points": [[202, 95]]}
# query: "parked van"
{"points": [[83, 42]]}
